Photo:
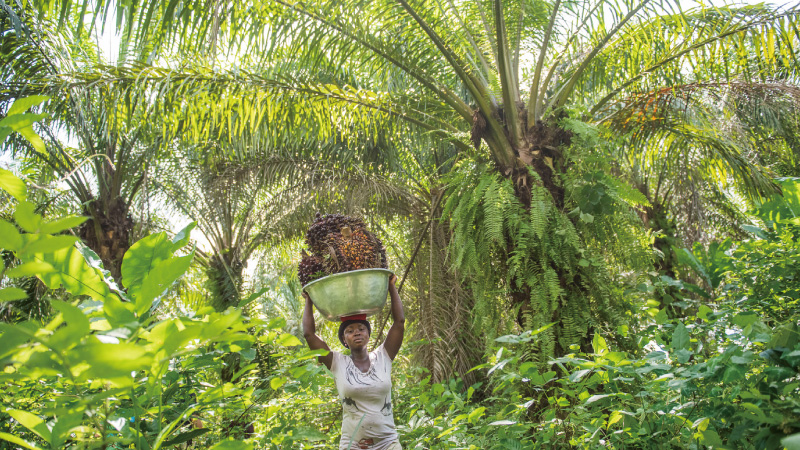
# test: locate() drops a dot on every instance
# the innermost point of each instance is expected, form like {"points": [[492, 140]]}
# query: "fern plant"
{"points": [[533, 266]]}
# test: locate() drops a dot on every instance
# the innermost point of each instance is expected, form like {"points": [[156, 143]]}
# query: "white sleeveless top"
{"points": [[367, 421]]}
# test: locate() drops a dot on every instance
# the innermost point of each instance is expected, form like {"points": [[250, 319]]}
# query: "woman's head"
{"points": [[354, 327]]}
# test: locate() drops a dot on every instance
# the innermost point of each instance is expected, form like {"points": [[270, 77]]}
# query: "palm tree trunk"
{"points": [[225, 280], [108, 232], [443, 313], [225, 284], [541, 150]]}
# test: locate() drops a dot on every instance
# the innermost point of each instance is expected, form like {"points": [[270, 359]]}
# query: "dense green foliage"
{"points": [[106, 371], [589, 205]]}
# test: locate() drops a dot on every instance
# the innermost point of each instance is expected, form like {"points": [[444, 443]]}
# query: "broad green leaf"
{"points": [[734, 373], [746, 358], [232, 445], [12, 336], [31, 422], [308, 434], [277, 382], [711, 438], [68, 419], [702, 311], [62, 223], [701, 423], [476, 414], [248, 354], [47, 244], [111, 360], [446, 432], [791, 442], [77, 324], [94, 262], [72, 272], [276, 323], [745, 319], [36, 142], [683, 355], [288, 340], [31, 269], [159, 279], [10, 239], [13, 185], [27, 218], [599, 344], [182, 238], [680, 338], [117, 312], [19, 122], [11, 294], [143, 257], [578, 376], [19, 441], [615, 417], [21, 105]]}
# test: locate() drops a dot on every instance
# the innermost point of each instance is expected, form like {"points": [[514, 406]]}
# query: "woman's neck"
{"points": [[359, 354]]}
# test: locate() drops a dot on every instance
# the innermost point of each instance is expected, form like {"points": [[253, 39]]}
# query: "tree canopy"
{"points": [[590, 205]]}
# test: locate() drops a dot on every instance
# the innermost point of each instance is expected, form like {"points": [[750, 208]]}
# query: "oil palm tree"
{"points": [[525, 84], [692, 147], [273, 194], [520, 79], [99, 145], [240, 204]]}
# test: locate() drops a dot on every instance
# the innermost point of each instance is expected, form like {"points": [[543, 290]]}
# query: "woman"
{"points": [[363, 379]]}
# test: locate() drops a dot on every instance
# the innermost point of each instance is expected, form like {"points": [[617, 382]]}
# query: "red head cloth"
{"points": [[354, 317]]}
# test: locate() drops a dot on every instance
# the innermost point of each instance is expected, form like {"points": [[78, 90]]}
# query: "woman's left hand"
{"points": [[392, 279]]}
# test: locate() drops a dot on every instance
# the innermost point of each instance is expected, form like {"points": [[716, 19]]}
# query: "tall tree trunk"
{"points": [[108, 232], [225, 284], [541, 152], [443, 313], [225, 279]]}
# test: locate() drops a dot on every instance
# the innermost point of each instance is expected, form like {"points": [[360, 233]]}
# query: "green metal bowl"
{"points": [[347, 293]]}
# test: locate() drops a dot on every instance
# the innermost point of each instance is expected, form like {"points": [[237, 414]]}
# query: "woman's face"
{"points": [[356, 335]]}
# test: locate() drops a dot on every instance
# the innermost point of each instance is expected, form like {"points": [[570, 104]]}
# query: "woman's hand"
{"points": [[392, 280]]}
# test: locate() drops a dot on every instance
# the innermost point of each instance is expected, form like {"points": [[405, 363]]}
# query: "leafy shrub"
{"points": [[104, 371]]}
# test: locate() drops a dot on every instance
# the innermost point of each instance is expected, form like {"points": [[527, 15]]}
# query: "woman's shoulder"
{"points": [[381, 353], [336, 359]]}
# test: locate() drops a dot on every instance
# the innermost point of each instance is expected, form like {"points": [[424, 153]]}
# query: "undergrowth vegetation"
{"points": [[106, 370]]}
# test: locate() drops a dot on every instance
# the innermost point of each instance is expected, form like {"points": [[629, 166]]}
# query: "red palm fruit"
{"points": [[310, 269]]}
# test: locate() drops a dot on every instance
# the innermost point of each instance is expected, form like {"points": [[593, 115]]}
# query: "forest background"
{"points": [[593, 207]]}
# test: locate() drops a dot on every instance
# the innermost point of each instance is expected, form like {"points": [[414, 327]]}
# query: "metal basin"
{"points": [[347, 293]]}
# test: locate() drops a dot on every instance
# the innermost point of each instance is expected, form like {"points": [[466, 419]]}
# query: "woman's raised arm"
{"points": [[394, 338], [310, 333]]}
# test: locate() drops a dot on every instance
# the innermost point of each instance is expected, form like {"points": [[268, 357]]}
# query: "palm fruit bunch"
{"points": [[339, 243], [310, 268]]}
